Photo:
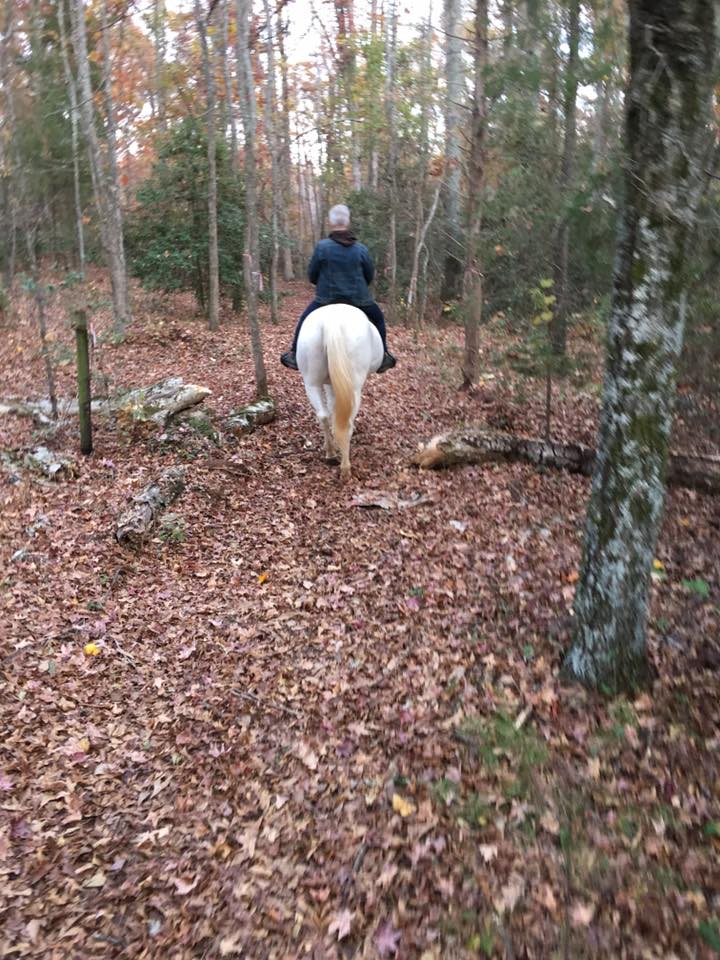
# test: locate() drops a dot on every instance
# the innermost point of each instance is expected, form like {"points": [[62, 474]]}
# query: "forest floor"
{"points": [[320, 730]]}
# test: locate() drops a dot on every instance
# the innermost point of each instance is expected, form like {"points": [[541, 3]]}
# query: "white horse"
{"points": [[337, 348]]}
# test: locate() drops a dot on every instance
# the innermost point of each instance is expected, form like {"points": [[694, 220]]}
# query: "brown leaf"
{"points": [[341, 924]]}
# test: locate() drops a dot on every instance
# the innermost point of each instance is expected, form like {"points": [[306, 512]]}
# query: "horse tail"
{"points": [[341, 379]]}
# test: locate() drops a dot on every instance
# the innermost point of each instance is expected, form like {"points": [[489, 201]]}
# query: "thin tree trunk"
{"points": [[83, 381], [270, 108], [558, 324], [285, 155], [229, 99], [213, 262], [668, 136], [454, 97], [419, 246], [158, 30], [11, 168], [29, 222], [246, 84], [473, 280], [106, 192], [72, 96], [391, 109], [421, 224]]}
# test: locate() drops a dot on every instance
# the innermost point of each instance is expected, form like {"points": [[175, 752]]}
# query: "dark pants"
{"points": [[371, 310]]}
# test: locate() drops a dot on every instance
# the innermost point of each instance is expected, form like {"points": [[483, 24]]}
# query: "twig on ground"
{"points": [[246, 695], [128, 656]]}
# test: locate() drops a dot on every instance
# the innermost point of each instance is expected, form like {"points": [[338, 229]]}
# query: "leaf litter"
{"points": [[294, 731]]}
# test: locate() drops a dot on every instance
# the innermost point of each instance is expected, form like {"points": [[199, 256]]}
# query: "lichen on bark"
{"points": [[672, 52]]}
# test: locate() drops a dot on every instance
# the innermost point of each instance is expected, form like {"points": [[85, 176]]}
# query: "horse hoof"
{"points": [[332, 459], [345, 474]]}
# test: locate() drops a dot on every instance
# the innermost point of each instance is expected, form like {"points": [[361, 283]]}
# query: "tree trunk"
{"points": [[72, 97], [477, 445], [286, 178], [668, 136], [251, 257], [454, 99], [391, 94], [558, 324], [11, 167], [30, 220], [344, 15], [419, 247], [473, 280], [270, 109], [229, 99], [158, 30], [106, 191], [213, 262], [83, 381]]}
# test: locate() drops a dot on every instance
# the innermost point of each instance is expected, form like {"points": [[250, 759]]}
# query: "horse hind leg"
{"points": [[343, 436], [323, 412]]}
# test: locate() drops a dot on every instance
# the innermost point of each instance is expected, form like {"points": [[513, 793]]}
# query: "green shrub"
{"points": [[168, 229]]}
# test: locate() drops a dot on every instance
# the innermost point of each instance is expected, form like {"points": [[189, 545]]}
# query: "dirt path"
{"points": [[271, 756]]}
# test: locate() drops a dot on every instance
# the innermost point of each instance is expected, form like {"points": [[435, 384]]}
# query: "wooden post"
{"points": [[83, 380]]}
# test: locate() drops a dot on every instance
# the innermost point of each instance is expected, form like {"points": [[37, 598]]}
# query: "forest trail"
{"points": [[270, 757]]}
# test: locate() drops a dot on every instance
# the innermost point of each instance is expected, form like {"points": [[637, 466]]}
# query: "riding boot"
{"points": [[388, 362], [289, 359]]}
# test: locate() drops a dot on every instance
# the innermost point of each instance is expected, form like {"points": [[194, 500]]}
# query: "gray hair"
{"points": [[339, 216]]}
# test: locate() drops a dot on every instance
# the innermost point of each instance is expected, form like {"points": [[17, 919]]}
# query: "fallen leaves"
{"points": [[260, 759], [96, 881], [402, 806], [307, 755], [387, 939], [341, 925]]}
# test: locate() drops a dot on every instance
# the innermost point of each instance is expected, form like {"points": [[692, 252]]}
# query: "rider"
{"points": [[341, 269]]}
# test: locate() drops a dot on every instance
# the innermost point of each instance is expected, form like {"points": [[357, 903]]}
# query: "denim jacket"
{"points": [[341, 273]]}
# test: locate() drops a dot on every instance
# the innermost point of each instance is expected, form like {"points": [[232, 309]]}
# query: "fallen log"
{"points": [[476, 445], [135, 523], [49, 464], [160, 401], [156, 403]]}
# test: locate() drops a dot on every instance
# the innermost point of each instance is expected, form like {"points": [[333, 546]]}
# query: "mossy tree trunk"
{"points": [[668, 135]]}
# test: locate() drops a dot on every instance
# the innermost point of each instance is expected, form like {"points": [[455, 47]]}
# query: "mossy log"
{"points": [[155, 404], [246, 419], [479, 445], [160, 401], [135, 523], [49, 464]]}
